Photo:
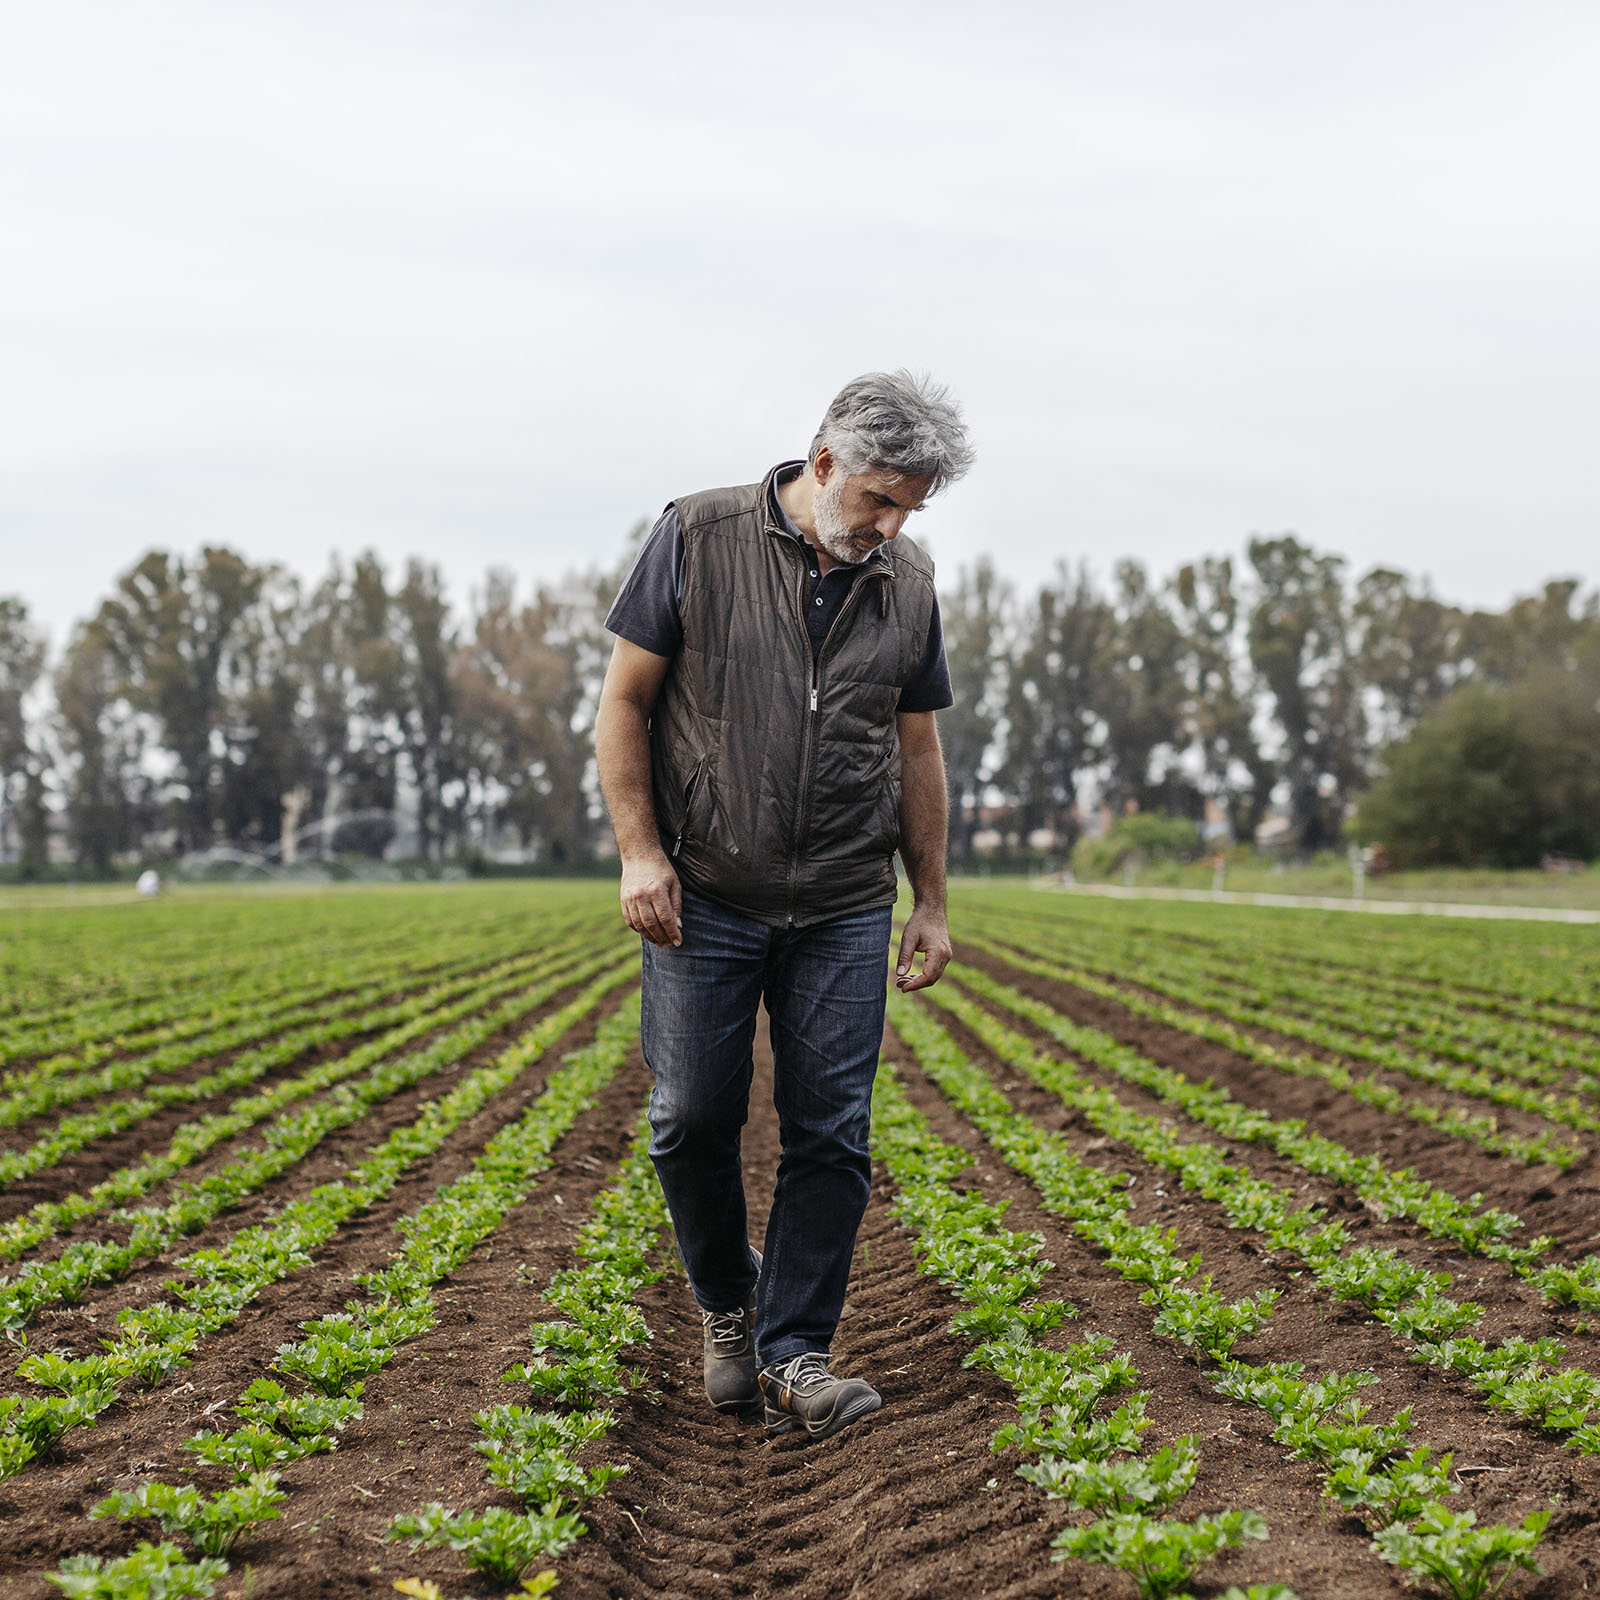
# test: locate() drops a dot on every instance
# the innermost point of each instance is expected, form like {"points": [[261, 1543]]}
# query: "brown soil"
{"points": [[908, 1503], [159, 1125], [1565, 1205], [1516, 1469], [79, 1327], [43, 1512]]}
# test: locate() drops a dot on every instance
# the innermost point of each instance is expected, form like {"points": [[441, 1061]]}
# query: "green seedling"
{"points": [[1377, 1279], [514, 1428], [269, 1405], [1574, 1285], [1204, 1321], [249, 1450], [548, 1481], [1398, 1492], [1161, 1557], [1557, 1402], [213, 1524], [1449, 1550], [501, 1543], [1061, 1432], [152, 1572], [1142, 1483], [1001, 1320], [1311, 1437], [338, 1352]]}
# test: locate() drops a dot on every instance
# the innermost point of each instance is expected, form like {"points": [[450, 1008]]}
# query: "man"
{"points": [[766, 742]]}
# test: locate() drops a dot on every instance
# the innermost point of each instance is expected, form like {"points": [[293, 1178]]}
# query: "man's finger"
{"points": [[648, 924], [661, 909], [909, 945]]}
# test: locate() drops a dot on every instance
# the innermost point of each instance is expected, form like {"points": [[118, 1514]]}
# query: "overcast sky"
{"points": [[489, 282]]}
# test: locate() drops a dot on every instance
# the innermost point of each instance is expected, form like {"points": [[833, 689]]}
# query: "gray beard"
{"points": [[833, 534]]}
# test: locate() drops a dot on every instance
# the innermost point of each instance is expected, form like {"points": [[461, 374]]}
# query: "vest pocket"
{"points": [[690, 790], [885, 830]]}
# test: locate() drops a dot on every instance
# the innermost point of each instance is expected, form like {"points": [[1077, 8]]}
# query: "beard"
{"points": [[844, 544]]}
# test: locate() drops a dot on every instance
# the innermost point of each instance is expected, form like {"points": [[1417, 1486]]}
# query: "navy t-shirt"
{"points": [[645, 611]]}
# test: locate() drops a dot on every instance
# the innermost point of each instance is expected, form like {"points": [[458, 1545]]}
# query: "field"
{"points": [[1211, 1249]]}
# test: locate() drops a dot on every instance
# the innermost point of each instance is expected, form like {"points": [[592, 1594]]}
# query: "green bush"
{"points": [[1150, 836], [1492, 777]]}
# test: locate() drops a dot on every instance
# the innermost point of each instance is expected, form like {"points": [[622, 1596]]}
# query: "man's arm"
{"points": [[652, 898], [924, 819]]}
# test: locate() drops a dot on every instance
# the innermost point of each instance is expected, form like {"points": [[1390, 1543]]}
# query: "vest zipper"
{"points": [[809, 752]]}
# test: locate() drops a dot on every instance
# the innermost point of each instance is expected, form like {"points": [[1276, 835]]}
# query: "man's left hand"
{"points": [[925, 931]]}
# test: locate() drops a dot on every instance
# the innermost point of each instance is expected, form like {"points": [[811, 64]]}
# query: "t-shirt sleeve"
{"points": [[645, 611], [928, 688]]}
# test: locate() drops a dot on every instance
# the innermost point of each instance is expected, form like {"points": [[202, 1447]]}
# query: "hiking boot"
{"points": [[730, 1355], [802, 1393]]}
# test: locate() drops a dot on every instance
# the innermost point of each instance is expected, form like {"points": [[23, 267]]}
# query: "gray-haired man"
{"points": [[766, 742]]}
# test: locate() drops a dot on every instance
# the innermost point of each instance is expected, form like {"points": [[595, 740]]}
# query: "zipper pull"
{"points": [[813, 699]]}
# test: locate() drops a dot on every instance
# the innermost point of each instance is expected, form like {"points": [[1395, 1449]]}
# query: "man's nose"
{"points": [[890, 523]]}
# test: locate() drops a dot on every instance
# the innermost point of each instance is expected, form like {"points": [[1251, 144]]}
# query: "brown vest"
{"points": [[776, 783]]}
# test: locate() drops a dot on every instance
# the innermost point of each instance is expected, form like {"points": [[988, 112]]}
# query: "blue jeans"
{"points": [[825, 989]]}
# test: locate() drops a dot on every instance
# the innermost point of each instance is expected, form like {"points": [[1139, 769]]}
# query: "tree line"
{"points": [[207, 695]]}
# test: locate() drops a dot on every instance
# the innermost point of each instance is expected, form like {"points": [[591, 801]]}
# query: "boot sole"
{"points": [[782, 1422]]}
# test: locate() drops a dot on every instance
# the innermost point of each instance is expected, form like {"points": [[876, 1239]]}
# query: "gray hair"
{"points": [[897, 423]]}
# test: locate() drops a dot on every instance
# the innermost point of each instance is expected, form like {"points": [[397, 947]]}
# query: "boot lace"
{"points": [[804, 1373], [727, 1330]]}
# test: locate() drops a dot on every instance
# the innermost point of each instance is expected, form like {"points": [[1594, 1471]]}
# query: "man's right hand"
{"points": [[652, 899]]}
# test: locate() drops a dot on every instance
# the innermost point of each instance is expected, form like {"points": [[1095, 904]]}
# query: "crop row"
{"points": [[1502, 1046], [1400, 1487], [309, 1019], [577, 1365], [339, 1353], [167, 1003], [261, 997], [1456, 1079], [1528, 962], [1386, 1192], [118, 970], [1250, 942], [80, 1129], [1093, 1463], [288, 1141], [1409, 1301], [1369, 1089], [425, 1013], [222, 1282]]}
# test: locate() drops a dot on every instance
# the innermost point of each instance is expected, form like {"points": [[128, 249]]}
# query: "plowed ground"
{"points": [[911, 1502]]}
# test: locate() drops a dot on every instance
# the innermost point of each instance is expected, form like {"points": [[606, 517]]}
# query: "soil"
{"points": [[910, 1502]]}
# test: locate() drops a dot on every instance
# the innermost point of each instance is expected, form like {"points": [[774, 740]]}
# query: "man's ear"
{"points": [[822, 465]]}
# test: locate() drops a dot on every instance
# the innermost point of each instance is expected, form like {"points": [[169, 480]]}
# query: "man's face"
{"points": [[855, 514]]}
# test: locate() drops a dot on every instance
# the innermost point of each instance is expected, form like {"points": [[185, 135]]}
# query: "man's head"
{"points": [[887, 442]]}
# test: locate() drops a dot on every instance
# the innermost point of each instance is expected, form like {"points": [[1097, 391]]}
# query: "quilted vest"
{"points": [[776, 781]]}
